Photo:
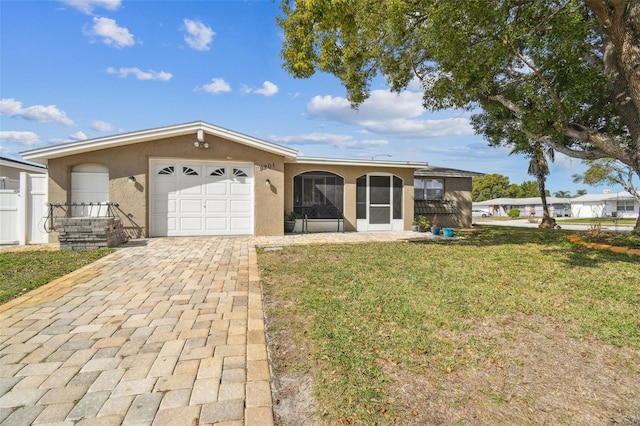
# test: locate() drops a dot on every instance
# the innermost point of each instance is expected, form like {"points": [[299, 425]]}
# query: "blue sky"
{"points": [[82, 69]]}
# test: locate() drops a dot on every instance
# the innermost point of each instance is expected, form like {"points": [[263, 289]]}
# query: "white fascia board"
{"points": [[41, 155], [352, 162], [35, 168], [263, 145]]}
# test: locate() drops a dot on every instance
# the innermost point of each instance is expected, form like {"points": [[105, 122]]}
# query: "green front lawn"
{"points": [[21, 271], [352, 309]]}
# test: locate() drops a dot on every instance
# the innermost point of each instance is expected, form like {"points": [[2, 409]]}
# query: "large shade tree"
{"points": [[562, 72]]}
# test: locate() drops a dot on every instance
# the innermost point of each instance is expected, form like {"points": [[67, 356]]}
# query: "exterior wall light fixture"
{"points": [[268, 182], [131, 179], [200, 143]]}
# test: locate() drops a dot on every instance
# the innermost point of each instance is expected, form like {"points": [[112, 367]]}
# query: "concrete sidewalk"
{"points": [[165, 331]]}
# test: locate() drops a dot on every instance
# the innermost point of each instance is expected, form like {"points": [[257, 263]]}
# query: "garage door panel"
{"points": [[191, 206], [217, 206], [200, 198], [239, 225], [192, 224], [191, 188], [217, 224], [240, 189], [164, 206], [240, 206], [165, 187], [217, 188]]}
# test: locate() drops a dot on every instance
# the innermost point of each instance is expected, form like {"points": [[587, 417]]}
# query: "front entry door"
{"points": [[379, 202], [380, 207]]}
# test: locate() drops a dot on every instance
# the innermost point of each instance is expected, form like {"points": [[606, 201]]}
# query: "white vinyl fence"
{"points": [[23, 212]]}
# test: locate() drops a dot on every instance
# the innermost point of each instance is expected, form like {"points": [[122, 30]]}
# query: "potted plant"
{"points": [[435, 228], [423, 224], [290, 221]]}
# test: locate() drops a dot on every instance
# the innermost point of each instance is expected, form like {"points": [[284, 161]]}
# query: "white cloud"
{"points": [[267, 89], [78, 136], [101, 126], [198, 36], [139, 74], [23, 138], [111, 33], [39, 113], [387, 113], [217, 85], [335, 140], [87, 6]]}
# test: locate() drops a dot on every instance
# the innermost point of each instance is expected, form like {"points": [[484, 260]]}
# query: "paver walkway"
{"points": [[166, 331]]}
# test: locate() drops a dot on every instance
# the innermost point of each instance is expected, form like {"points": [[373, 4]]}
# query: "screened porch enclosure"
{"points": [[318, 195]]}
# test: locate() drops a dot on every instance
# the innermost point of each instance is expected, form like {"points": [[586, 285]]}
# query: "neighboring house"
{"points": [[10, 172], [607, 204], [445, 192], [23, 197], [558, 207], [200, 179]]}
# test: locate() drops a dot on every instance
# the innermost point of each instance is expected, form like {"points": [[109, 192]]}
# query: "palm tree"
{"points": [[539, 168], [562, 194]]}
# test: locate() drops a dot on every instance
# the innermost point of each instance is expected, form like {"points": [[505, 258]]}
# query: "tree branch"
{"points": [[510, 105], [574, 153], [536, 71]]}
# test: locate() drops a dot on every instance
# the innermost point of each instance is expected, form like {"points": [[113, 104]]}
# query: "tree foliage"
{"points": [[559, 72], [492, 186]]}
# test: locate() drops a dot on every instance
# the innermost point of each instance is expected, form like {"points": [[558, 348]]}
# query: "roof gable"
{"points": [[42, 155]]}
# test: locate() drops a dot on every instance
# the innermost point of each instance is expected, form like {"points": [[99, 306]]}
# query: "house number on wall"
{"points": [[268, 166]]}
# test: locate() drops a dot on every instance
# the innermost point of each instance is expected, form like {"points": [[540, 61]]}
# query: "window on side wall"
{"points": [[625, 206], [428, 189]]}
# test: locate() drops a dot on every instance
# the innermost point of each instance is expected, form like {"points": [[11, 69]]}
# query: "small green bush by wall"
{"points": [[514, 213]]}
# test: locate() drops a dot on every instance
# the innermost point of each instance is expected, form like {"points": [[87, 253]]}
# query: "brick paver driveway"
{"points": [[164, 331]]}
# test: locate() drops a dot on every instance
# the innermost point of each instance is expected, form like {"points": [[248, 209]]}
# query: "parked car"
{"points": [[480, 213]]}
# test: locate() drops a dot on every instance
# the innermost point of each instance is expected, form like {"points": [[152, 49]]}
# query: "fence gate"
{"points": [[23, 212]]}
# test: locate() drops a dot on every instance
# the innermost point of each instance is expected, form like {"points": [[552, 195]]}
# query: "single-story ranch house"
{"points": [[607, 204], [200, 179]]}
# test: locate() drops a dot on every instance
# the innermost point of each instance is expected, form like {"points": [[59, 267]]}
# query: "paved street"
{"points": [[560, 221]]}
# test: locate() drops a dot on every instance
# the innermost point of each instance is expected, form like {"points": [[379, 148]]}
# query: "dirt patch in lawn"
{"points": [[510, 370]]}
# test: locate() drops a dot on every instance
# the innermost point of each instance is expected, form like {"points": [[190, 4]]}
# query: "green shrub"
{"points": [[514, 213]]}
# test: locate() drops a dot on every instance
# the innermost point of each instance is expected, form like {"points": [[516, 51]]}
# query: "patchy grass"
{"points": [[365, 321], [22, 271], [605, 221], [613, 239]]}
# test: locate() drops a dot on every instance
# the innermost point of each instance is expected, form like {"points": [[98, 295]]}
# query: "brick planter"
{"points": [[79, 233]]}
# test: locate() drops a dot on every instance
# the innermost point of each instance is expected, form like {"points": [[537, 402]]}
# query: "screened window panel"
{"points": [[379, 190], [397, 198], [314, 192], [361, 197], [379, 215]]}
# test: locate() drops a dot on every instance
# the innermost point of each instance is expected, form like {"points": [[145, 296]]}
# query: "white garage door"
{"points": [[200, 198]]}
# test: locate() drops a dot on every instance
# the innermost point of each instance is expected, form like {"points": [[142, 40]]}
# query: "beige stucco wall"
{"points": [[458, 190], [133, 160], [350, 174]]}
